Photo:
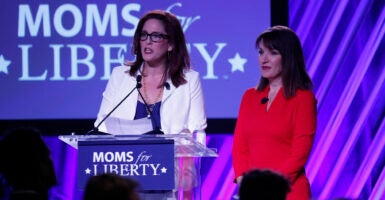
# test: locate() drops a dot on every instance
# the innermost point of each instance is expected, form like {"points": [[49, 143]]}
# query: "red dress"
{"points": [[279, 139]]}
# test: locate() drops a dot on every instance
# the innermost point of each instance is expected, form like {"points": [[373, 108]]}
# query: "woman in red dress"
{"points": [[277, 119]]}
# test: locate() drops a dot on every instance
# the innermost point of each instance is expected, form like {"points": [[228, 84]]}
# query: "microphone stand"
{"points": [[95, 130]]}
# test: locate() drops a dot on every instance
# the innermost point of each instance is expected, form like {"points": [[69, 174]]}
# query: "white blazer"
{"points": [[182, 109]]}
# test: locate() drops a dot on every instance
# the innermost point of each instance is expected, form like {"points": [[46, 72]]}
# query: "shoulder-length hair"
{"points": [[287, 43], [178, 59]]}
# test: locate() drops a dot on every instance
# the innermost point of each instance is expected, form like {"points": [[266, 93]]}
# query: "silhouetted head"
{"points": [[25, 161], [263, 184], [110, 186]]}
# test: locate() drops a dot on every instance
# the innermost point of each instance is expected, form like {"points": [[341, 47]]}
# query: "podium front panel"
{"points": [[149, 162]]}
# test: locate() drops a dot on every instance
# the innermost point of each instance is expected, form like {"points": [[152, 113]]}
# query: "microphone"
{"points": [[166, 85], [264, 100], [95, 130], [157, 130]]}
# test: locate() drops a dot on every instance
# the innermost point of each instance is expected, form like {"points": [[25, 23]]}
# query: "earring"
{"points": [[168, 53]]}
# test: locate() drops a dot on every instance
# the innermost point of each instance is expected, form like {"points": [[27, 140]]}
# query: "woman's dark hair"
{"points": [[178, 59], [287, 43]]}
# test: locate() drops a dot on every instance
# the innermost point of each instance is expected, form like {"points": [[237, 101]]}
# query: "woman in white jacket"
{"points": [[171, 90]]}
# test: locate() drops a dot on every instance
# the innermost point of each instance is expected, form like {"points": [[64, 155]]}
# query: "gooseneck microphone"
{"points": [[95, 130], [264, 100], [156, 130]]}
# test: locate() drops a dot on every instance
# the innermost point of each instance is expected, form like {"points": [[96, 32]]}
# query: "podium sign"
{"points": [[148, 159], [150, 162]]}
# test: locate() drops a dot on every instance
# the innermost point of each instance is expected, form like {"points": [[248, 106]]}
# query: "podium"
{"points": [[152, 160]]}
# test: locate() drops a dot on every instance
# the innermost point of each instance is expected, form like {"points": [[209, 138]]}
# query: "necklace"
{"points": [[149, 110], [151, 102]]}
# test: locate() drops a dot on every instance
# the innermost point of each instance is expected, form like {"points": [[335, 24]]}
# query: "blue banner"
{"points": [[56, 56], [150, 162]]}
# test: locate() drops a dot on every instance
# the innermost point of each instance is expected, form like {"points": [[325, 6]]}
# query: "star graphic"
{"points": [[4, 64], [88, 171], [163, 170], [237, 63]]}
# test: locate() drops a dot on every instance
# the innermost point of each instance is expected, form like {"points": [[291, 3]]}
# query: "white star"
{"points": [[237, 63], [88, 171], [4, 64], [163, 170]]}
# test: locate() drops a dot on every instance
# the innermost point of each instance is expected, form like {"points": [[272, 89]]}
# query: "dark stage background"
{"points": [[344, 45]]}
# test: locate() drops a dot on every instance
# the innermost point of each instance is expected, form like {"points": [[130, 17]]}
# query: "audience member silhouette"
{"points": [[263, 184], [112, 187], [26, 169]]}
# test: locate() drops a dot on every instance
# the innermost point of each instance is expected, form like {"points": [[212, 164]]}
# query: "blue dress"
{"points": [[141, 112]]}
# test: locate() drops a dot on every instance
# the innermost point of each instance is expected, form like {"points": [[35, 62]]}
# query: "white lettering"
{"points": [[109, 17], [119, 59], [83, 62], [124, 171], [25, 18], [134, 170], [209, 60], [93, 19], [113, 156], [77, 16], [120, 157], [56, 63], [86, 61], [155, 169], [98, 157], [184, 21], [129, 169], [109, 157], [130, 18], [129, 156], [95, 169], [114, 169], [142, 157], [25, 66]]}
